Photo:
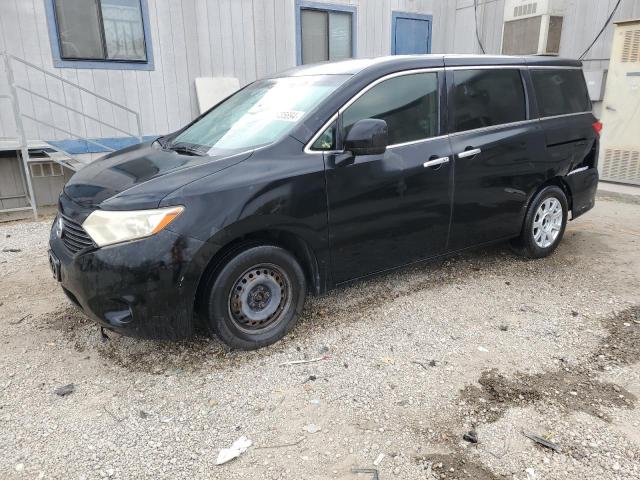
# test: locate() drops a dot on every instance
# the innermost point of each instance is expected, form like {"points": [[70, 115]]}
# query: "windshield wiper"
{"points": [[186, 150]]}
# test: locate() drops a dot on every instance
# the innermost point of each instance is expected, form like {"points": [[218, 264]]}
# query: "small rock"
{"points": [[312, 428], [574, 313], [12, 250], [503, 328], [312, 378], [471, 436], [65, 390], [143, 414], [378, 460], [482, 349], [19, 467]]}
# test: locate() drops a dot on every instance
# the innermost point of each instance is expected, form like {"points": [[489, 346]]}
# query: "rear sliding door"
{"points": [[498, 153]]}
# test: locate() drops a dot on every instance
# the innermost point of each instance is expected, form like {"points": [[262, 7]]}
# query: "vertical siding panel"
{"points": [[192, 46], [238, 36], [215, 39], [249, 42], [180, 64], [156, 77], [204, 42], [168, 71], [226, 37], [260, 39]]}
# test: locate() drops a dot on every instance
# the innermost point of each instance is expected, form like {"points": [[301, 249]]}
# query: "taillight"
{"points": [[597, 127]]}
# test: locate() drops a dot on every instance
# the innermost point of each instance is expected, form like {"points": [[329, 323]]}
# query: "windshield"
{"points": [[257, 115]]}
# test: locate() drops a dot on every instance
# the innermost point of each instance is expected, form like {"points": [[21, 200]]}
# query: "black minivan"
{"points": [[321, 175]]}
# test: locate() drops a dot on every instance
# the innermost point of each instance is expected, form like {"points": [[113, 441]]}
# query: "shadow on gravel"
{"points": [[573, 387], [454, 467]]}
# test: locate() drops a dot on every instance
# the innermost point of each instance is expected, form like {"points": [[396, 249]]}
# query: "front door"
{"points": [[392, 209], [499, 155], [410, 33]]}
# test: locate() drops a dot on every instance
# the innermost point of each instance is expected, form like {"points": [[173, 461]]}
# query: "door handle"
{"points": [[435, 162], [469, 153]]}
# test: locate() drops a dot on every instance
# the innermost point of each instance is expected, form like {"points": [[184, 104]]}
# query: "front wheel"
{"points": [[256, 297], [544, 224]]}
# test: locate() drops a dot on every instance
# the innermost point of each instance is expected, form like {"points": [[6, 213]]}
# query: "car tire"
{"points": [[256, 297], [544, 224]]}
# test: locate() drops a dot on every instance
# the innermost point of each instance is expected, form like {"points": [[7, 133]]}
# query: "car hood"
{"points": [[140, 176]]}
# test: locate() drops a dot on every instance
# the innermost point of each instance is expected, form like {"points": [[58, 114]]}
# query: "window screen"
{"points": [[560, 92], [409, 105], [100, 30], [325, 35], [483, 98]]}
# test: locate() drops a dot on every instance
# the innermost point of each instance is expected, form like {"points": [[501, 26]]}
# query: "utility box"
{"points": [[620, 145], [532, 27]]}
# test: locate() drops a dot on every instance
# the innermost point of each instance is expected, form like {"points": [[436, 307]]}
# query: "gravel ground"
{"points": [[411, 361]]}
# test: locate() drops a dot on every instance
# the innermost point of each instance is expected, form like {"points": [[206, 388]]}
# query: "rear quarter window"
{"points": [[560, 92], [487, 97]]}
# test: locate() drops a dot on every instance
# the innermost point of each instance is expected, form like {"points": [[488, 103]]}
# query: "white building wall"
{"points": [[246, 39]]}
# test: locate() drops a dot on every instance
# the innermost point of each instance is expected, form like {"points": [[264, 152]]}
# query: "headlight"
{"points": [[106, 227]]}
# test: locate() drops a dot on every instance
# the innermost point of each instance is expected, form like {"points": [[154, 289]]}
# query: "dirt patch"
{"points": [[572, 388], [454, 467]]}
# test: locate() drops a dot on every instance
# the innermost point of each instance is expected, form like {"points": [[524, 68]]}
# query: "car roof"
{"points": [[399, 62]]}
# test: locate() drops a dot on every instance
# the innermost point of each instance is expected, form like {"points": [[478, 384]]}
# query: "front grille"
{"points": [[74, 237]]}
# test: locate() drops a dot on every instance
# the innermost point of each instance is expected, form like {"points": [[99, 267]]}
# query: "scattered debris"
{"points": [[143, 414], [483, 349], [11, 250], [531, 474], [65, 390], [20, 320], [503, 327], [471, 436], [112, 415], [372, 471], [314, 401], [103, 335], [312, 428], [378, 460], [281, 445], [542, 441], [237, 448], [432, 363], [300, 362], [574, 313]]}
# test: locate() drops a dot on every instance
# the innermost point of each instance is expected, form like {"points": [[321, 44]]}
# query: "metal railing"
{"points": [[21, 140]]}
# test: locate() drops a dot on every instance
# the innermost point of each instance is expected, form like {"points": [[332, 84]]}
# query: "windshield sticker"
{"points": [[288, 116]]}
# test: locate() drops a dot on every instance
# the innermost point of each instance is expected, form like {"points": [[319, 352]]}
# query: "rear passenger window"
{"points": [[560, 92], [483, 98], [409, 105]]}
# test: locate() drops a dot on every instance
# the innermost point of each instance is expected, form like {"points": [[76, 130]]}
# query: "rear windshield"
{"points": [[257, 115], [560, 92]]}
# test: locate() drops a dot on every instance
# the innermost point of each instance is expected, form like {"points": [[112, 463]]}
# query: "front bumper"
{"points": [[145, 288]]}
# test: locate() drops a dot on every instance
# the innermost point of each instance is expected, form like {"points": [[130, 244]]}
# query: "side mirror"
{"points": [[367, 137]]}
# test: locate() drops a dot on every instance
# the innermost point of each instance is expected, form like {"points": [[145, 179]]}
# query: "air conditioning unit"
{"points": [[532, 27]]}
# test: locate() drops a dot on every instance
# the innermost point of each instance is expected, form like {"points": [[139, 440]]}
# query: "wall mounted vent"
{"points": [[46, 169], [631, 47], [621, 166], [526, 9]]}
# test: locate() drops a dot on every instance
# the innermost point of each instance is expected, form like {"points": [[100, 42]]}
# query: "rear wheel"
{"points": [[256, 297], [544, 224]]}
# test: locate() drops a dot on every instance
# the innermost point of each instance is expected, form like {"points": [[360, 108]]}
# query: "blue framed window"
{"points": [[109, 34], [410, 33], [324, 32]]}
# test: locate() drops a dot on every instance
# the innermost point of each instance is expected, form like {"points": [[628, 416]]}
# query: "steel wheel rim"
{"points": [[259, 298], [547, 222]]}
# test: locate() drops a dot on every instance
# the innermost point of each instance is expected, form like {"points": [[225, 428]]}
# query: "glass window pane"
{"points": [[315, 32], [123, 30], [483, 98], [339, 36], [259, 114], [79, 29], [326, 141], [560, 92], [409, 105]]}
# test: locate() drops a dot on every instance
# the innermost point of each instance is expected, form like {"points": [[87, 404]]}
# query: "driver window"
{"points": [[408, 103]]}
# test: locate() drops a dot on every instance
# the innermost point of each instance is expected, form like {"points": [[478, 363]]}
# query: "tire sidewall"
{"points": [[219, 320], [534, 250]]}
